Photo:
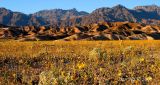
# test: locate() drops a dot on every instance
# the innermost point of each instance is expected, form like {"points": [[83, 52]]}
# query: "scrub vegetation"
{"points": [[80, 62]]}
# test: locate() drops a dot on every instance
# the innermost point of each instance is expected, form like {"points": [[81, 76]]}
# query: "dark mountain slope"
{"points": [[55, 16], [11, 18], [59, 17]]}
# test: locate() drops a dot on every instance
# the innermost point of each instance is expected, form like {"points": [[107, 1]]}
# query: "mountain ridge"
{"points": [[95, 31], [58, 17]]}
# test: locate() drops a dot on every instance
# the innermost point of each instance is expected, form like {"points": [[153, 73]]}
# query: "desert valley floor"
{"points": [[80, 62]]}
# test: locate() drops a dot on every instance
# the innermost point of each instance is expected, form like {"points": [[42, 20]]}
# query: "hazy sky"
{"points": [[31, 6]]}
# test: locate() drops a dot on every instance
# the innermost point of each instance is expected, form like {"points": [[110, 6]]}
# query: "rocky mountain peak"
{"points": [[119, 6], [148, 8]]}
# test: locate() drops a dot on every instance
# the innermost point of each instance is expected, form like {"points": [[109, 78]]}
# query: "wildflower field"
{"points": [[80, 62]]}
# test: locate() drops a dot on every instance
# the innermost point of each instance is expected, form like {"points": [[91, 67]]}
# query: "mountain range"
{"points": [[58, 17]]}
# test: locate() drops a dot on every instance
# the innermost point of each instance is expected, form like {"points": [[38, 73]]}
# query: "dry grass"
{"points": [[80, 62]]}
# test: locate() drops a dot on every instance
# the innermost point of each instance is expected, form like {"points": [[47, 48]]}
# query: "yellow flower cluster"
{"points": [[81, 65]]}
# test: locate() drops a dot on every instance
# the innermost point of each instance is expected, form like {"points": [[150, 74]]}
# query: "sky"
{"points": [[31, 6]]}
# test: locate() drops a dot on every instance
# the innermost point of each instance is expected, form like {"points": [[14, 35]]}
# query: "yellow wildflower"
{"points": [[141, 59], [14, 75], [63, 73], [72, 77], [149, 78], [101, 69], [81, 65], [119, 73]]}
